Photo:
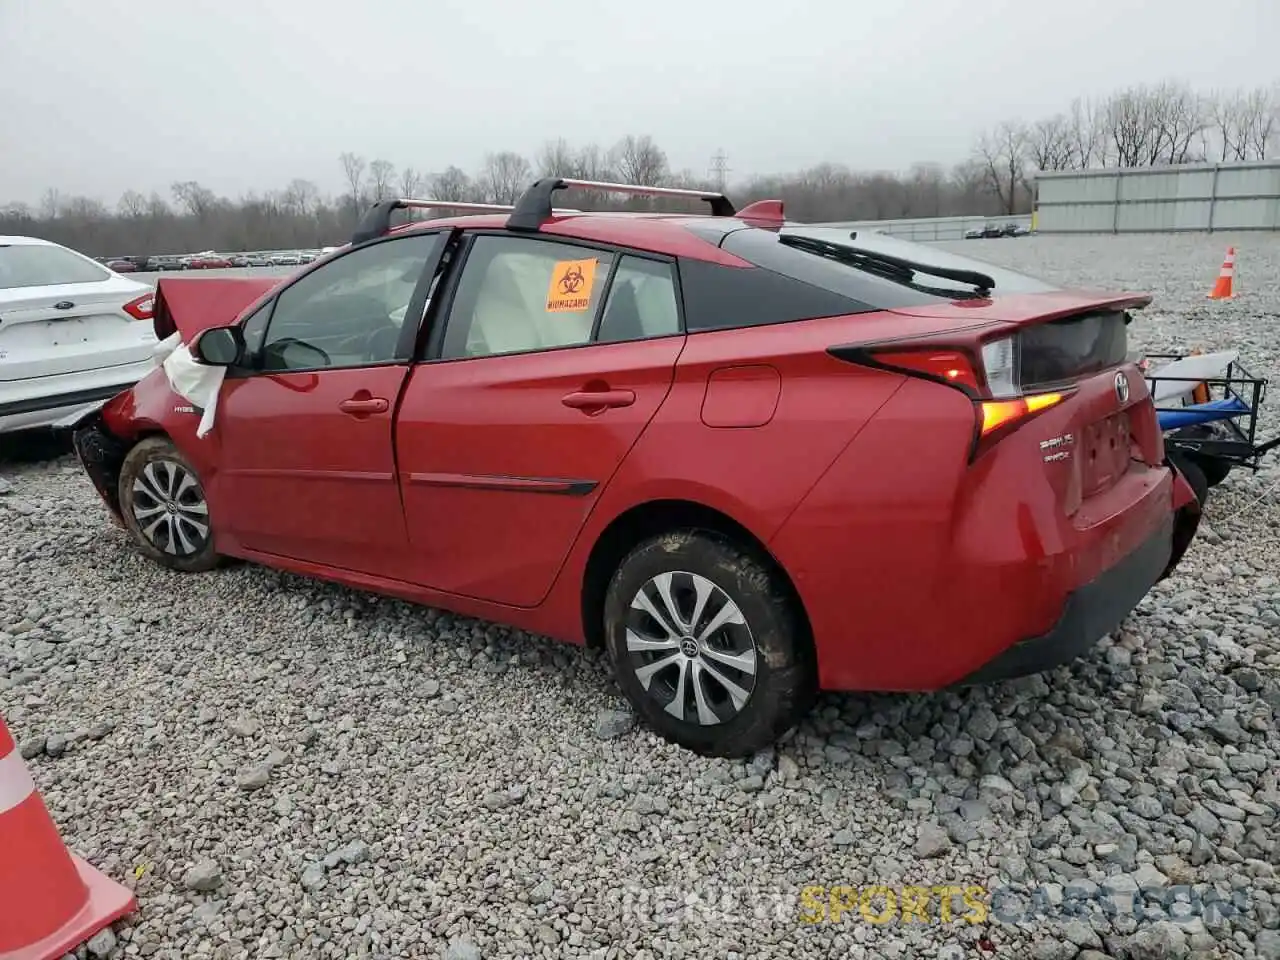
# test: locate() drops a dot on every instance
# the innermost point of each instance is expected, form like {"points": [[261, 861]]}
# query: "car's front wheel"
{"points": [[163, 506], [708, 644]]}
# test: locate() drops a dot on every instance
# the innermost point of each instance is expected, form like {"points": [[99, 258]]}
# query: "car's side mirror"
{"points": [[219, 346]]}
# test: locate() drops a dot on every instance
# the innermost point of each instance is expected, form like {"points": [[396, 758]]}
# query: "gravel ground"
{"points": [[283, 768]]}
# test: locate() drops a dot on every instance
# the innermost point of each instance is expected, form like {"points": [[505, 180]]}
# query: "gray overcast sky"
{"points": [[99, 97]]}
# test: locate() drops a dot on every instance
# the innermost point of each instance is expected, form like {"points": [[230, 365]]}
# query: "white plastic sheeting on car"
{"points": [[198, 383]]}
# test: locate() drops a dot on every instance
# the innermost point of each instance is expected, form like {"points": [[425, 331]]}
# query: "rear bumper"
{"points": [[1090, 612], [42, 401], [39, 412]]}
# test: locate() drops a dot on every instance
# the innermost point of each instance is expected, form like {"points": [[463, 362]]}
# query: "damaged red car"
{"points": [[752, 459]]}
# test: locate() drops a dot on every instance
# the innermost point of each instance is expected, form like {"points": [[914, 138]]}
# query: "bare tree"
{"points": [[1155, 125], [132, 204], [1050, 144], [1261, 121], [506, 174], [594, 164], [197, 200], [557, 159], [353, 170], [925, 189], [410, 182], [1003, 153], [300, 197], [639, 160], [381, 175], [1086, 134], [1228, 123], [50, 204], [1178, 115], [1129, 127], [452, 184]]}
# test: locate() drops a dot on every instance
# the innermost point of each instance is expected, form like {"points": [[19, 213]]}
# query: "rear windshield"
{"points": [[762, 248], [37, 265]]}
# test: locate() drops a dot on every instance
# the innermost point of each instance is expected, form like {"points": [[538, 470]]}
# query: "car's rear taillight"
{"points": [[999, 417], [1000, 364], [141, 308], [952, 367], [991, 383]]}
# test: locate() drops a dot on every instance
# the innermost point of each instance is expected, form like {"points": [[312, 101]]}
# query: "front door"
{"points": [[551, 362], [307, 465]]}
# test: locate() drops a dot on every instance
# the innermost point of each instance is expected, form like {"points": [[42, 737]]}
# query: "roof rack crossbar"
{"points": [[534, 206], [377, 219]]}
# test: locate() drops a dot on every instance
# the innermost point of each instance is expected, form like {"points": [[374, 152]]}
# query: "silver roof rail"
{"points": [[534, 206], [377, 220]]}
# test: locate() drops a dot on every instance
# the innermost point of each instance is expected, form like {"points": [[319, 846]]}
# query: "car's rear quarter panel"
{"points": [[916, 567]]}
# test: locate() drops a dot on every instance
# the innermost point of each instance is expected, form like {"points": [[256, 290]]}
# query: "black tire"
{"points": [[156, 464], [1194, 475], [783, 679], [1214, 470]]}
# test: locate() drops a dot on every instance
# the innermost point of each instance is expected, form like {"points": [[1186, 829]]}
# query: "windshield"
{"points": [[38, 265]]}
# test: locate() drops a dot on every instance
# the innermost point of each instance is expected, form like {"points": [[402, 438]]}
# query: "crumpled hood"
{"points": [[188, 306]]}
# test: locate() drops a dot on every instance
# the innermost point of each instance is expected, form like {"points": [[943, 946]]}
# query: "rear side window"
{"points": [[38, 265], [717, 297], [641, 304]]}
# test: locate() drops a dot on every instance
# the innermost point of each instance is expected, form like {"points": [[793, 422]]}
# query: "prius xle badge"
{"points": [[1122, 387]]}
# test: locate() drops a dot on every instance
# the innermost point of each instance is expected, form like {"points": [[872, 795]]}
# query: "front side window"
{"points": [[43, 265], [517, 294], [350, 311]]}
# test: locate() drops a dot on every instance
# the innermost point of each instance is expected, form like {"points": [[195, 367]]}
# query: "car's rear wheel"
{"points": [[708, 644], [163, 506]]}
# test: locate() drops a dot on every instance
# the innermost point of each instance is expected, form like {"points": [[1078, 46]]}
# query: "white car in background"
{"points": [[72, 332]]}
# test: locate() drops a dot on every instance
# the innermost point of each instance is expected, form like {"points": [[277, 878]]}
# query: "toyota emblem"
{"points": [[1122, 387]]}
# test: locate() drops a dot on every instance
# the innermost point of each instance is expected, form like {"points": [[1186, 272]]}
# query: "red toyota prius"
{"points": [[750, 458]]}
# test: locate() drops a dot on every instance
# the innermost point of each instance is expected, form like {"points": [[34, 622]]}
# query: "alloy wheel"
{"points": [[168, 504], [691, 648]]}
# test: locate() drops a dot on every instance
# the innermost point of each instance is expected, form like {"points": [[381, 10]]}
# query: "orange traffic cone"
{"points": [[1222, 289], [50, 900]]}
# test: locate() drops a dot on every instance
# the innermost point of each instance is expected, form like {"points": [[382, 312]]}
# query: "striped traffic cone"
{"points": [[51, 901], [1222, 290]]}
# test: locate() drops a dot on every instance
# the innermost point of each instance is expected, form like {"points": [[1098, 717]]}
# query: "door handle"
{"points": [[593, 399], [364, 406]]}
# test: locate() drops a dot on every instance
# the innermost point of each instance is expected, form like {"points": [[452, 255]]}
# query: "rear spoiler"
{"points": [[188, 306]]}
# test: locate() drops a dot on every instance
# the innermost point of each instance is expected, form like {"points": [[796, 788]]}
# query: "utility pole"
{"points": [[719, 171]]}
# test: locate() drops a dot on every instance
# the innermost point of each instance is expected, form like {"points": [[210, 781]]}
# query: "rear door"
{"points": [[547, 361]]}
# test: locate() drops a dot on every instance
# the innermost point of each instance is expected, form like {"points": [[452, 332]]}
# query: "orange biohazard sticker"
{"points": [[570, 288]]}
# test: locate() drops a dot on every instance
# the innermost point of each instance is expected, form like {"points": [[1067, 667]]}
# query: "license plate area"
{"points": [[1106, 451]]}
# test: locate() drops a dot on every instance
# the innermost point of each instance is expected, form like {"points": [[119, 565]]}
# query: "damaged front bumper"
{"points": [[100, 452]]}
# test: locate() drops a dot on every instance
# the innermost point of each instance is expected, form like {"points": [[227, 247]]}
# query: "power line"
{"points": [[719, 170]]}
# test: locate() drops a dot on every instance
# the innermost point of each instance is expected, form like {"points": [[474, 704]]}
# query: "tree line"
{"points": [[1146, 125]]}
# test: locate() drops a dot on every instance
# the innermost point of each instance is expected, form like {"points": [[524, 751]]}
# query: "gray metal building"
{"points": [[1191, 197]]}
